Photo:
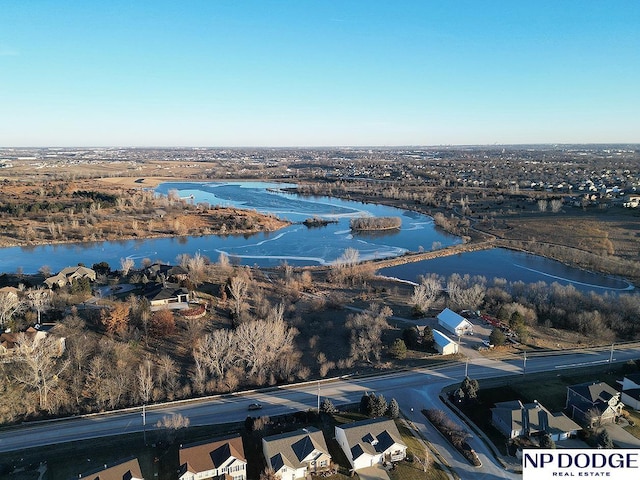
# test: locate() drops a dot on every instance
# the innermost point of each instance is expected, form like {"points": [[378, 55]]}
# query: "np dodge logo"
{"points": [[614, 464]]}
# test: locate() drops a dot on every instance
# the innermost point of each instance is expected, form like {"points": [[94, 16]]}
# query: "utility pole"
{"points": [[611, 355], [144, 423], [466, 368], [524, 364], [318, 396]]}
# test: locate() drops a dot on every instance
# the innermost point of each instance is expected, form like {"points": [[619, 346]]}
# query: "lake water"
{"points": [[296, 244], [510, 265], [299, 245]]}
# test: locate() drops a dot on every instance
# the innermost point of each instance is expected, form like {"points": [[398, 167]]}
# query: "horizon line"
{"points": [[447, 145]]}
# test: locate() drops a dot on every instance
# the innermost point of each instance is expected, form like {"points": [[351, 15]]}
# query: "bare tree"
{"points": [[10, 304], [238, 287], [366, 331], [40, 300], [466, 292], [197, 267], [223, 261], [171, 424], [425, 294], [556, 205], [349, 257], [217, 351], [269, 474], [263, 343], [145, 381], [38, 365], [168, 375], [542, 205], [126, 264]]}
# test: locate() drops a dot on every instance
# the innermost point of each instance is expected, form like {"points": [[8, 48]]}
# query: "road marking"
{"points": [[572, 365]]}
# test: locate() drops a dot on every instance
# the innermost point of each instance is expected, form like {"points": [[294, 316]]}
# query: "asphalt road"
{"points": [[415, 389]]}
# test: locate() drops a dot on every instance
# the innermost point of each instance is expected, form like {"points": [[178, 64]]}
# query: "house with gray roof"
{"points": [[515, 419], [166, 295], [593, 403], [370, 442], [68, 275], [222, 459], [297, 454], [630, 394]]}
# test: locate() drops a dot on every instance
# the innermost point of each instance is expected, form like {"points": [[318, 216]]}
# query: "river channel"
{"points": [[299, 245]]}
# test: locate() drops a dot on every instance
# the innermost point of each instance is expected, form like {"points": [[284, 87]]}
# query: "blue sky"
{"points": [[318, 73]]}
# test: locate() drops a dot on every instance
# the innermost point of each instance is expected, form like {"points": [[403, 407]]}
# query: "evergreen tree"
{"points": [[497, 338], [470, 388], [393, 411], [327, 406], [411, 337], [366, 404], [398, 349], [378, 406]]}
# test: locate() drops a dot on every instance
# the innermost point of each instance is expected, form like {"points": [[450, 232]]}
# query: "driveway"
{"points": [[621, 437], [373, 473]]}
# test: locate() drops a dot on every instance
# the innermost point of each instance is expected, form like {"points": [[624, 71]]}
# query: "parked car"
{"points": [[255, 406]]}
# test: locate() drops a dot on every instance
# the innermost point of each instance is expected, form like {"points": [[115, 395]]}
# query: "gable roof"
{"points": [[294, 448], [532, 418], [371, 436], [68, 274], [452, 320], [633, 377], [126, 470], [159, 292], [204, 456], [596, 393], [441, 339]]}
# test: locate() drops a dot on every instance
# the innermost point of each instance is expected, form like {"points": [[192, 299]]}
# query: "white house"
{"points": [[444, 344], [297, 454], [370, 442], [221, 458], [454, 323], [630, 394]]}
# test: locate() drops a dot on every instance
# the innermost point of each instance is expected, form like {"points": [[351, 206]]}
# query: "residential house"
{"points": [[515, 419], [593, 403], [68, 275], [630, 394], [444, 345], [9, 340], [631, 201], [166, 296], [454, 323], [125, 470], [222, 459], [157, 272], [297, 454], [370, 442], [13, 291]]}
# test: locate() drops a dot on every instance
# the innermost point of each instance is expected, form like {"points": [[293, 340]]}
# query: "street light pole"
{"points": [[611, 355], [466, 368], [524, 365], [144, 423]]}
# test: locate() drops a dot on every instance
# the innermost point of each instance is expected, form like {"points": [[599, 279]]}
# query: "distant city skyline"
{"points": [[318, 74]]}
